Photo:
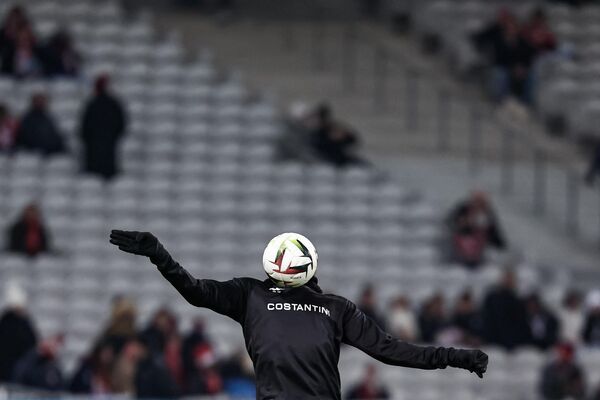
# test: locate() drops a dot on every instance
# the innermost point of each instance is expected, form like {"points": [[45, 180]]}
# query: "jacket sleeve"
{"points": [[227, 298], [363, 333]]}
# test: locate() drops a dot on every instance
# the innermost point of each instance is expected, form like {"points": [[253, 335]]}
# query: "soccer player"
{"points": [[293, 334]]}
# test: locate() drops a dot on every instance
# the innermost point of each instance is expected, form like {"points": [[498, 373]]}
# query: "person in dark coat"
{"points": [[432, 318], [102, 125], [38, 131], [563, 378], [39, 368], [502, 304], [543, 324], [17, 335], [94, 372], [28, 235], [152, 377], [594, 166], [591, 325], [60, 57], [333, 142]]}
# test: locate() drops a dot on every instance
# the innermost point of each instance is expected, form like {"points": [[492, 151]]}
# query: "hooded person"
{"points": [[17, 335], [102, 126], [293, 331]]}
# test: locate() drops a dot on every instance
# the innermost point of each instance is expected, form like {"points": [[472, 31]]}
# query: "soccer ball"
{"points": [[290, 260]]}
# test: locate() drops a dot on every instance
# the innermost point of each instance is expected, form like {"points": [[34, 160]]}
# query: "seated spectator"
{"points": [[199, 363], [474, 227], [402, 322], [537, 34], [591, 325], [432, 318], [22, 57], [543, 325], [594, 167], [121, 325], [204, 377], [38, 131], [102, 125], [17, 335], [333, 142], [563, 378], [238, 375], [94, 372], [501, 45], [152, 377], [28, 235], [8, 130], [570, 316], [369, 388], [367, 303], [162, 340], [467, 319], [40, 368], [60, 57], [502, 304], [16, 19]]}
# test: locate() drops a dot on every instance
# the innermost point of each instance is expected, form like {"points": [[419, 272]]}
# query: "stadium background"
{"points": [[215, 160]]}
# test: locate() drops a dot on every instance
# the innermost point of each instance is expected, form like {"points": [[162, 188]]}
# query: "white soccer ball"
{"points": [[290, 260]]}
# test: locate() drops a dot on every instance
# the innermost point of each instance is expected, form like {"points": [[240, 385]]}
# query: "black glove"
{"points": [[472, 360], [140, 243]]}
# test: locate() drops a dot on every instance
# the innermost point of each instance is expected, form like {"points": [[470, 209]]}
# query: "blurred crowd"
{"points": [[158, 361], [103, 118]]}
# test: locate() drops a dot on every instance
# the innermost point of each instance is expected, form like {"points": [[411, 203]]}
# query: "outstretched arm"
{"points": [[363, 333], [227, 298]]}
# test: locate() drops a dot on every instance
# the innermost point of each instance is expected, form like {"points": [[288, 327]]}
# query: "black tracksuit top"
{"points": [[293, 335]]}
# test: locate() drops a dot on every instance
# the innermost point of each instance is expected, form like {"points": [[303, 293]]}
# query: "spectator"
{"points": [[28, 235], [93, 374], [8, 130], [474, 227], [22, 56], [591, 326], [594, 167], [402, 321], [102, 125], [502, 45], [369, 388], [121, 326], [162, 340], [238, 375], [333, 142], [38, 131], [501, 304], [39, 368], [562, 378], [537, 34], [571, 317], [152, 377], [368, 305], [543, 324], [467, 319], [17, 336], [123, 373], [16, 19], [432, 319], [60, 57], [204, 377]]}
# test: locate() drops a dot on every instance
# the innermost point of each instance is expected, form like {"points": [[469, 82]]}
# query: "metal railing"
{"points": [[517, 152]]}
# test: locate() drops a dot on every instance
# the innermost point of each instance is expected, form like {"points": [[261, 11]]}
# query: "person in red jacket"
{"points": [[28, 235]]}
